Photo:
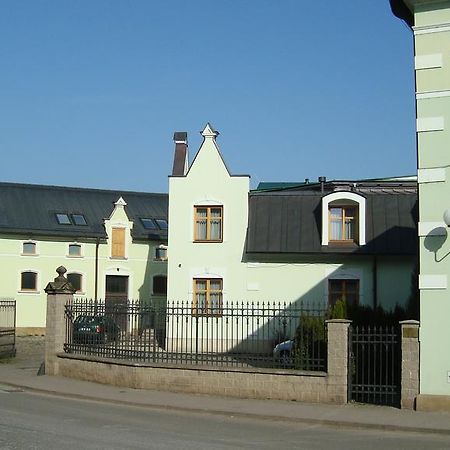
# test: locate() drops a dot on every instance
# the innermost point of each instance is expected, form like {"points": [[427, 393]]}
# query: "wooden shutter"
{"points": [[118, 243]]}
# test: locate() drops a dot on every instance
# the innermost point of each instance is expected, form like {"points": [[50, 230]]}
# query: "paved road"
{"points": [[34, 421]]}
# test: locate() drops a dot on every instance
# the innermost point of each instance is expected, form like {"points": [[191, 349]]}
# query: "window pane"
{"points": [[149, 224], [29, 248], [161, 253], [63, 219], [75, 281], [162, 223], [201, 229], [160, 285], [28, 281], [78, 219], [74, 250]]}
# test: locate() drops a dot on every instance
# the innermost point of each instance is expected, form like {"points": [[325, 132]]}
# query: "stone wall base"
{"points": [[314, 387], [30, 331], [426, 402]]}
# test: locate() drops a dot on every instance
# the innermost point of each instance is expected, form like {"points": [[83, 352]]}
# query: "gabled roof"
{"points": [[30, 209], [289, 220]]}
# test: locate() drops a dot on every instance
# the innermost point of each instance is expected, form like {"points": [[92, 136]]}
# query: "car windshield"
{"points": [[87, 320]]}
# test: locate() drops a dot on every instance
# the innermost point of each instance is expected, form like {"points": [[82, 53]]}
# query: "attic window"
{"points": [[79, 219], [72, 219], [63, 219], [154, 224]]}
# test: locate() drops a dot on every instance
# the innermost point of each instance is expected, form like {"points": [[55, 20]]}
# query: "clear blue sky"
{"points": [[92, 91]]}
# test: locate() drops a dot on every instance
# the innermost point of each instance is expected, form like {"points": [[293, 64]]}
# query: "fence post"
{"points": [[410, 363], [59, 292], [338, 359]]}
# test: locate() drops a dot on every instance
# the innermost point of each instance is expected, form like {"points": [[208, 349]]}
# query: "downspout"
{"points": [[97, 244], [375, 282]]}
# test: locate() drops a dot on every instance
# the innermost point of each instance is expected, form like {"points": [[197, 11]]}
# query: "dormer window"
{"points": [[343, 223], [63, 219], [343, 218]]}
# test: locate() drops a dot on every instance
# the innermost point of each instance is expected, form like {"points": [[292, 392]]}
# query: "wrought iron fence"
{"points": [[7, 327], [239, 334]]}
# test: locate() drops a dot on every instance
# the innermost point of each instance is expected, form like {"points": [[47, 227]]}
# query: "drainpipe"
{"points": [[375, 282], [97, 244]]}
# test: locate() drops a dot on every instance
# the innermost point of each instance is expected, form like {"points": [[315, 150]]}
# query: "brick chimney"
{"points": [[180, 161]]}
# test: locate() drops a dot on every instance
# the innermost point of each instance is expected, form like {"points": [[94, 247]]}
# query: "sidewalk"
{"points": [[21, 374]]}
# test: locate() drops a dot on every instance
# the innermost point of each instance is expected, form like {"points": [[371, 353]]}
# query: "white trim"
{"points": [[29, 241], [434, 175], [432, 281], [430, 124], [428, 29], [433, 61], [335, 196], [432, 229], [432, 94]]}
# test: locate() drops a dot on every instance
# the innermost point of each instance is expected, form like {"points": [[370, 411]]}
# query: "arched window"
{"points": [[76, 280], [28, 281]]}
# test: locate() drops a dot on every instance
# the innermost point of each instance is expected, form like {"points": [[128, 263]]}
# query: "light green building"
{"points": [[430, 23], [286, 242], [111, 243]]}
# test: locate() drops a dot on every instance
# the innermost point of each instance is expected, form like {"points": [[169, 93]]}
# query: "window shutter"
{"points": [[118, 243]]}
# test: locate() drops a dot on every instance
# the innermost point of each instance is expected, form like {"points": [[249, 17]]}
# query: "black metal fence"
{"points": [[7, 328], [375, 365], [264, 335]]}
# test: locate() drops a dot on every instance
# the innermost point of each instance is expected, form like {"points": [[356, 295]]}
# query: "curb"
{"points": [[218, 412]]}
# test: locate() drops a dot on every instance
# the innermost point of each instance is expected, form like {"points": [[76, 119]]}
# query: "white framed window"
{"points": [[29, 248], [161, 253], [343, 218], [74, 250], [28, 281]]}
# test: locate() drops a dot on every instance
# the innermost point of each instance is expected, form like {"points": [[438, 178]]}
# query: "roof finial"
{"points": [[209, 132]]}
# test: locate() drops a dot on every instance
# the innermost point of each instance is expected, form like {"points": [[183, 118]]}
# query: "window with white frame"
{"points": [[343, 219], [28, 281], [207, 297], [76, 280], [161, 253], [74, 250], [29, 248]]}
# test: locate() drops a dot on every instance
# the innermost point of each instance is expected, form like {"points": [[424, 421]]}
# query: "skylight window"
{"points": [[79, 219], [149, 224], [162, 223], [154, 224], [63, 219]]}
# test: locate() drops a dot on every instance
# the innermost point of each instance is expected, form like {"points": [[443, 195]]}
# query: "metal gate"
{"points": [[375, 365], [7, 328]]}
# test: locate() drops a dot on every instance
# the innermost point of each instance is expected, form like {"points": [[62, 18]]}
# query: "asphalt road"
{"points": [[34, 421]]}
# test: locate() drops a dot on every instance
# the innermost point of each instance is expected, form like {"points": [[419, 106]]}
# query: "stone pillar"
{"points": [[59, 292], [338, 360], [410, 363]]}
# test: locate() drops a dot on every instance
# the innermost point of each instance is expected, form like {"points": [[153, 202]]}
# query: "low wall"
{"points": [[311, 387]]}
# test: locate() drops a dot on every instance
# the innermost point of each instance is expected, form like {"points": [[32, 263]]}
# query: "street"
{"points": [[35, 421]]}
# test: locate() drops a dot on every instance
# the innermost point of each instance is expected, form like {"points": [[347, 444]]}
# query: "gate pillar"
{"points": [[337, 366], [59, 292], [410, 363]]}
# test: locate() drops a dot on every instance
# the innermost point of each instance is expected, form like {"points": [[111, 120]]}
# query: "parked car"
{"points": [[284, 352], [90, 329]]}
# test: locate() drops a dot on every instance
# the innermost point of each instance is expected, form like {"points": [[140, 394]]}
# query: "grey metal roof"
{"points": [[291, 222], [30, 209]]}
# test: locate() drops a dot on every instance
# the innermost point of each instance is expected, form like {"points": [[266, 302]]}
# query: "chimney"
{"points": [[322, 181], [180, 160]]}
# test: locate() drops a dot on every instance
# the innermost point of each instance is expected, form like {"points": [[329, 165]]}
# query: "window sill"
{"points": [[75, 256], [207, 241], [118, 258], [160, 259], [28, 291], [29, 254]]}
